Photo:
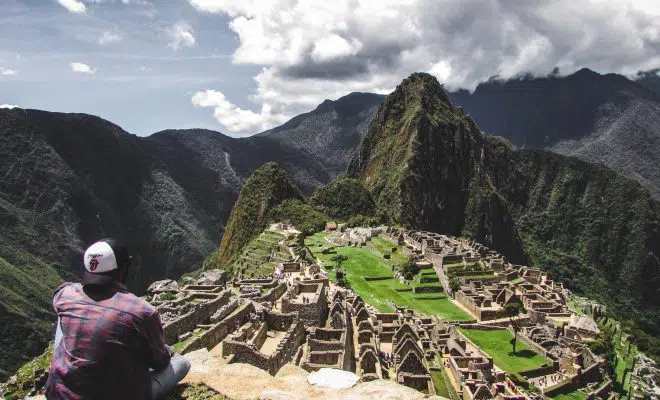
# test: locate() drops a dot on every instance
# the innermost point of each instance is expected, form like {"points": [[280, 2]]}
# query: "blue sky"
{"points": [[241, 67]]}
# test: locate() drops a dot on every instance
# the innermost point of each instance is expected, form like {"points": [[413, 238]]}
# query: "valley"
{"points": [[433, 234]]}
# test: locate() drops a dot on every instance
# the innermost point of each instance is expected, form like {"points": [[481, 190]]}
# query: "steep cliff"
{"points": [[605, 118], [422, 160], [266, 188], [429, 167]]}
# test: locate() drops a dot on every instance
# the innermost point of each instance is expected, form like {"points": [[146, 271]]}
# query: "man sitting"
{"points": [[109, 343]]}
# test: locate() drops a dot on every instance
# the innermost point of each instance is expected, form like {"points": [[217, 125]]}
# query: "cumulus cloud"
{"points": [[9, 106], [81, 68], [181, 35], [311, 50], [234, 118], [74, 6], [7, 72], [108, 37]]}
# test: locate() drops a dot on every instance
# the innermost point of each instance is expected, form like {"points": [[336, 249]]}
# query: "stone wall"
{"points": [[248, 352], [219, 331], [201, 314], [313, 313], [272, 294]]}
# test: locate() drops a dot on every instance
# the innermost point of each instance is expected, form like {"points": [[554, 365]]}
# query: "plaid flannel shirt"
{"points": [[110, 340]]}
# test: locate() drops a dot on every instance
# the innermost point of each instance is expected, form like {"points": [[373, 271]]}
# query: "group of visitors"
{"points": [[388, 358], [554, 378]]}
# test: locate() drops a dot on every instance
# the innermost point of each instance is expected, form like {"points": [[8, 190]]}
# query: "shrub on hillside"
{"points": [[343, 198], [408, 268], [303, 217]]}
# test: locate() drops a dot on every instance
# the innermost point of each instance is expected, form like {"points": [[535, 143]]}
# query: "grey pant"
{"points": [[161, 382], [164, 381]]}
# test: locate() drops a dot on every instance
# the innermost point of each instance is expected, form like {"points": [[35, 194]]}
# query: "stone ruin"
{"points": [[309, 299], [268, 340]]}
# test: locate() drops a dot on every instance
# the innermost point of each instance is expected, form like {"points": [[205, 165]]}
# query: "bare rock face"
{"points": [[166, 285], [243, 381], [213, 277]]}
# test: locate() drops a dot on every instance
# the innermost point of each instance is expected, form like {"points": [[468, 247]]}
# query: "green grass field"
{"points": [[498, 345], [365, 263], [441, 388], [576, 395]]}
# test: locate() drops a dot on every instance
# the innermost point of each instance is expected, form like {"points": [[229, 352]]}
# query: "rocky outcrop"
{"points": [[242, 382], [213, 277], [163, 286]]}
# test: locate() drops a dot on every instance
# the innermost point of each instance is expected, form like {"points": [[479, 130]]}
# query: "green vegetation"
{"points": [[618, 351], [178, 346], [26, 288], [584, 224], [302, 215], [575, 395], [363, 265], [512, 310], [497, 343], [408, 269], [384, 246], [194, 391], [25, 375], [339, 260], [442, 386], [260, 256], [343, 198], [266, 188]]}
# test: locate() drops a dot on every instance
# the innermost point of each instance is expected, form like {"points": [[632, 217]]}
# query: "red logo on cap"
{"points": [[93, 264]]}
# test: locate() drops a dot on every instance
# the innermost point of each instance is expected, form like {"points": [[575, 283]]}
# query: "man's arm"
{"points": [[159, 352]]}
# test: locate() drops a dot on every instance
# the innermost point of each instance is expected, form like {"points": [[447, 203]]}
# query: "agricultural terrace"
{"points": [[497, 343], [368, 275], [575, 395]]}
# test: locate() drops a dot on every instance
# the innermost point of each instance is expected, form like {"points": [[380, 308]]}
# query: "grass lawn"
{"points": [[576, 395], [498, 345], [441, 387], [384, 246], [363, 263]]}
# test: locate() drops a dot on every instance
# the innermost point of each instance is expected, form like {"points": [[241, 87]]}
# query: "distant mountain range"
{"points": [[69, 179], [607, 119]]}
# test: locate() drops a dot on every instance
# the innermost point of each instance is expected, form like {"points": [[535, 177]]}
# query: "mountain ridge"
{"points": [[572, 218]]}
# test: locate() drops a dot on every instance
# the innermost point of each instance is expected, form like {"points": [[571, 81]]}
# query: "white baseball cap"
{"points": [[103, 256]]}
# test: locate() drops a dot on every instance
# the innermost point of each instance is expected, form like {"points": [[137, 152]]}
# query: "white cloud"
{"points": [[312, 50], [9, 106], [82, 68], [234, 118], [181, 35], [7, 72], [74, 6], [108, 37]]}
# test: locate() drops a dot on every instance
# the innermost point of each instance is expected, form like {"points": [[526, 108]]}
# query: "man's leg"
{"points": [[164, 381]]}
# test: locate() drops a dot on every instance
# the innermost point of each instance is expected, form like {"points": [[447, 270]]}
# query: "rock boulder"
{"points": [[166, 285]]}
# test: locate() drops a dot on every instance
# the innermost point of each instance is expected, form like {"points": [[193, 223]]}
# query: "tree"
{"points": [[512, 310], [454, 285], [339, 259], [409, 268]]}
